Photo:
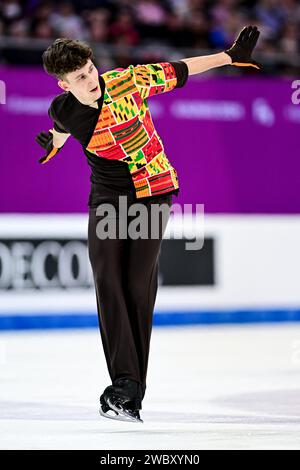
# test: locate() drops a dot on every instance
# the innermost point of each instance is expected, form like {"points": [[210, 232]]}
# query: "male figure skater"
{"points": [[109, 115]]}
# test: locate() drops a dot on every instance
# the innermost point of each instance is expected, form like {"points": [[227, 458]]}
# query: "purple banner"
{"points": [[231, 140]]}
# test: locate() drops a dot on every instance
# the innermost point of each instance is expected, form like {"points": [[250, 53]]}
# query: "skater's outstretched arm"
{"points": [[239, 54]]}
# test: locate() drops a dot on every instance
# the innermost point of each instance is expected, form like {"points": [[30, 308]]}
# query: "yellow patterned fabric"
{"points": [[125, 130]]}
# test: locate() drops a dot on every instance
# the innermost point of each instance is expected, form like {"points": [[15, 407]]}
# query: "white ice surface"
{"points": [[216, 387]]}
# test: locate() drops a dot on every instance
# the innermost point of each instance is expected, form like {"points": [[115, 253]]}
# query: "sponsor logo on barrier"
{"points": [[64, 264], [34, 106], [211, 110], [27, 264]]}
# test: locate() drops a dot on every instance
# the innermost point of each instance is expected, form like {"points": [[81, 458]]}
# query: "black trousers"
{"points": [[125, 274]]}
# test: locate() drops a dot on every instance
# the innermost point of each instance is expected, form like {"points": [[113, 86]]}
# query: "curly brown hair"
{"points": [[66, 55]]}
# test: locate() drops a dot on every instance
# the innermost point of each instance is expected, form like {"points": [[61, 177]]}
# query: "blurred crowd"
{"points": [[190, 24]]}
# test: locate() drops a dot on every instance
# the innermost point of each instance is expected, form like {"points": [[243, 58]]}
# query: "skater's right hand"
{"points": [[242, 48], [45, 140]]}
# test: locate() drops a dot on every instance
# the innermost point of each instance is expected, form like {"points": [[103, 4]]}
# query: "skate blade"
{"points": [[116, 417], [123, 412]]}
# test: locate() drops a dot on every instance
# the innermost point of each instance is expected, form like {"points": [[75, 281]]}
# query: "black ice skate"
{"points": [[124, 398], [108, 412]]}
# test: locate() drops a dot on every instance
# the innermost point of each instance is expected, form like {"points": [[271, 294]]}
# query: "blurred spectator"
{"points": [[222, 11], [37, 13], [19, 29], [11, 10], [289, 42], [43, 30], [177, 34], [180, 7], [197, 26], [66, 23], [271, 13], [123, 30], [151, 17], [99, 15], [98, 24], [150, 12]]}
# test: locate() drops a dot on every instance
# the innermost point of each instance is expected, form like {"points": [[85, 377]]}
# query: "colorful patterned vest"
{"points": [[125, 130]]}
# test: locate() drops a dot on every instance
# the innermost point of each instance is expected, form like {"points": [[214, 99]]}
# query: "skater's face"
{"points": [[83, 83]]}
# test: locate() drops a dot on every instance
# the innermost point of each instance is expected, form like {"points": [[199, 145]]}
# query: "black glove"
{"points": [[241, 50], [45, 140]]}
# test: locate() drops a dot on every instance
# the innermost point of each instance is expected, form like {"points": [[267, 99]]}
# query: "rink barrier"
{"points": [[161, 319], [254, 264]]}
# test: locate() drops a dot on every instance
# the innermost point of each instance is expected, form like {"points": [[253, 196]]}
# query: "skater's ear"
{"points": [[64, 85]]}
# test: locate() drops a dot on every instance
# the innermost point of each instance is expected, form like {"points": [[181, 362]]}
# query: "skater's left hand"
{"points": [[241, 50]]}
